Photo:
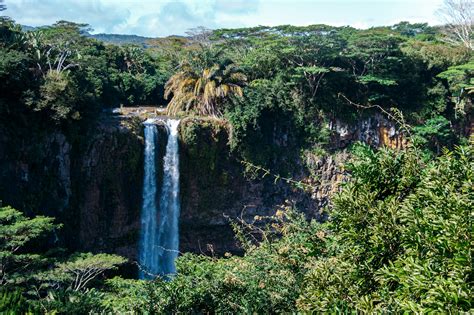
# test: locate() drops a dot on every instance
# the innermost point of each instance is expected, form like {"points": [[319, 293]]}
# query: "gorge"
{"points": [[282, 169], [100, 183]]}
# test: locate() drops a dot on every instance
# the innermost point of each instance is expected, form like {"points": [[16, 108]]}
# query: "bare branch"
{"points": [[262, 172], [200, 35], [458, 17], [394, 113]]}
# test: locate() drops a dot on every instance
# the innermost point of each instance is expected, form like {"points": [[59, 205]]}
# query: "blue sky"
{"points": [[167, 17]]}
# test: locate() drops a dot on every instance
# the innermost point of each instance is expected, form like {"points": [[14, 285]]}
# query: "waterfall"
{"points": [[167, 243], [159, 241], [147, 256]]}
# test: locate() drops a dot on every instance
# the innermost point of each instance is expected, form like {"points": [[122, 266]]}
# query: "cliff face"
{"points": [[376, 131], [35, 172], [93, 184], [214, 188], [107, 183]]}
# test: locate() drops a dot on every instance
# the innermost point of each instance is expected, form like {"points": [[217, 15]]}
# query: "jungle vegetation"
{"points": [[399, 234]]}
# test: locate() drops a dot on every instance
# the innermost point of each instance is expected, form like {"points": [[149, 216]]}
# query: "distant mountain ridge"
{"points": [[117, 39], [120, 39]]}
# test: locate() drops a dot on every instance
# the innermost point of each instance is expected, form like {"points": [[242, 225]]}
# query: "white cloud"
{"points": [[165, 17], [100, 15], [172, 18], [236, 7]]}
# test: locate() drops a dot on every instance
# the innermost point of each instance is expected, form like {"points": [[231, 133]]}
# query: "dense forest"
{"points": [[397, 234]]}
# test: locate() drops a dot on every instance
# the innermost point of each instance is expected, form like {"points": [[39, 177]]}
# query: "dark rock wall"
{"points": [[375, 130], [107, 184], [215, 190], [35, 172], [211, 187], [93, 184]]}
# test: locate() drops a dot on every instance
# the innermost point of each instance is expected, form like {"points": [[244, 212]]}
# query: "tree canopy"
{"points": [[398, 238]]}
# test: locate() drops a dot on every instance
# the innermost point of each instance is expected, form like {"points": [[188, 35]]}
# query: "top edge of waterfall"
{"points": [[149, 121]]}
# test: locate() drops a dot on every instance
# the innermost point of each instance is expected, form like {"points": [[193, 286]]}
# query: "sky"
{"points": [[157, 18]]}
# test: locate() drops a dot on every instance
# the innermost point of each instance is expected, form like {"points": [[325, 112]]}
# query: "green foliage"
{"points": [[398, 241], [366, 79], [399, 235], [80, 270], [16, 231], [364, 225], [265, 280], [131, 295], [268, 123], [58, 95], [65, 76], [13, 302], [298, 75], [412, 30], [64, 287], [69, 302], [57, 73], [69, 286], [434, 134], [203, 83], [13, 65], [403, 236], [434, 54], [435, 271], [460, 84]]}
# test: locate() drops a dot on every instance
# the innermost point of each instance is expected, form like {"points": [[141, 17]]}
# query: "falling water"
{"points": [[168, 235], [148, 221], [159, 234]]}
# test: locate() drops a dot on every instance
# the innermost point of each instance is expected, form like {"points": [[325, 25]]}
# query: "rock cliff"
{"points": [[92, 183], [214, 188]]}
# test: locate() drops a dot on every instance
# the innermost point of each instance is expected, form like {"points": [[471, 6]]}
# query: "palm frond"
{"points": [[202, 86]]}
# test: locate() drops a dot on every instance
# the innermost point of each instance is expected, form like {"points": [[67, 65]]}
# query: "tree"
{"points": [[50, 55], [16, 231], [411, 30], [13, 302], [13, 69], [200, 35], [399, 241], [79, 270], [434, 134], [403, 235], [460, 83], [434, 273], [459, 18], [203, 84], [59, 97]]}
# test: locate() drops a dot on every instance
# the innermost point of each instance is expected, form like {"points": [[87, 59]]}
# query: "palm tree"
{"points": [[203, 87]]}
